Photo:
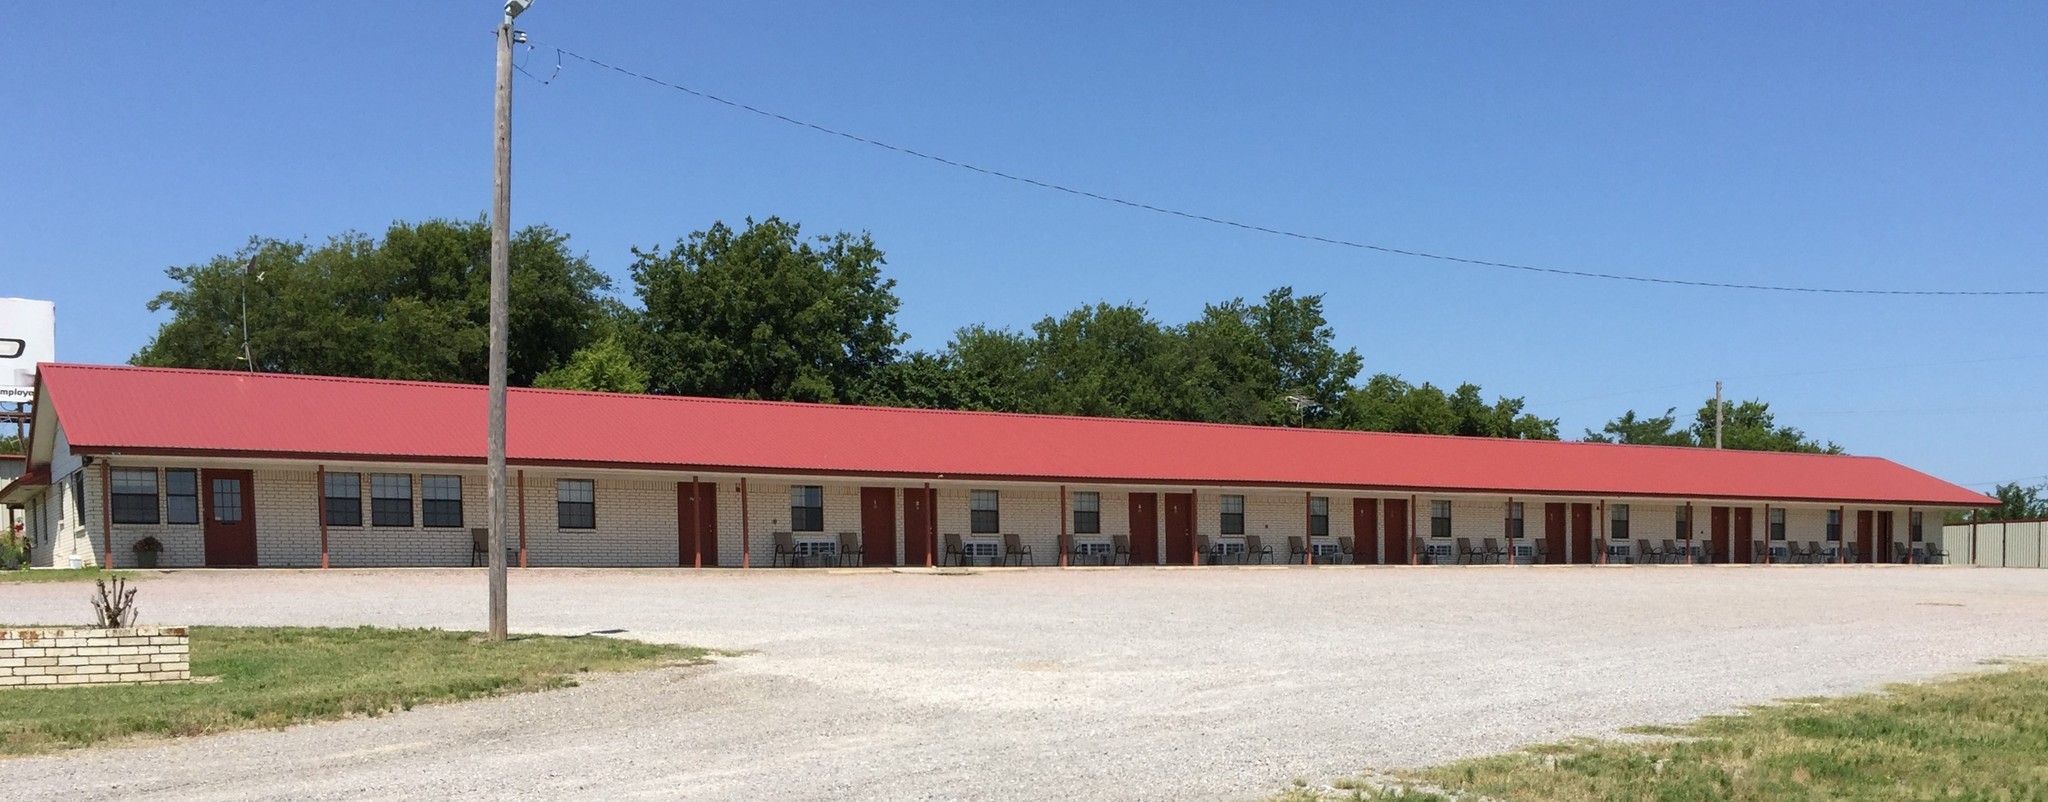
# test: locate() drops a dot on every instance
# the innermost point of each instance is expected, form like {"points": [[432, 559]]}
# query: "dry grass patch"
{"points": [[1979, 737]]}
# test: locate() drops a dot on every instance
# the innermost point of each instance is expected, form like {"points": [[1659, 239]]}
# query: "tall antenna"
{"points": [[247, 268]]}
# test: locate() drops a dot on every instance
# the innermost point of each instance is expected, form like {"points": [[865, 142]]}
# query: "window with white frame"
{"points": [[1088, 513], [1683, 522], [390, 499], [1515, 519], [1834, 524], [1617, 521], [1233, 515], [1914, 524], [441, 501], [226, 500], [806, 508], [134, 495], [575, 504], [1319, 517], [1439, 519], [343, 499], [181, 496], [984, 513], [1777, 523]]}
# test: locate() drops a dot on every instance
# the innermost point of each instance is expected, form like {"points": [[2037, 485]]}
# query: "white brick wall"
{"points": [[636, 519], [63, 657]]}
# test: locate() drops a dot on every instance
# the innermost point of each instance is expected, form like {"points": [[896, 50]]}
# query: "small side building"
{"points": [[235, 469]]}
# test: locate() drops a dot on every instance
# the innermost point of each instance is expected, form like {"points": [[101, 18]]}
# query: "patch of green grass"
{"points": [[274, 677], [62, 575], [1979, 737]]}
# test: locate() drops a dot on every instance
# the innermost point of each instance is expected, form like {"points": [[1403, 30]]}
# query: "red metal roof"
{"points": [[153, 410]]}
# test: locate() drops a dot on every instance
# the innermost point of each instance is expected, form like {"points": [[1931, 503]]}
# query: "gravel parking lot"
{"points": [[1119, 684]]}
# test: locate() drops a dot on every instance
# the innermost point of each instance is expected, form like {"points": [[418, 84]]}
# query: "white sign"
{"points": [[28, 334]]}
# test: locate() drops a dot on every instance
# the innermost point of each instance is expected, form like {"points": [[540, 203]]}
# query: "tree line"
{"points": [[763, 311]]}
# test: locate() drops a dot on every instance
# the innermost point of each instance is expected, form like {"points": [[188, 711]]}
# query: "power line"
{"points": [[1822, 372], [1279, 232]]}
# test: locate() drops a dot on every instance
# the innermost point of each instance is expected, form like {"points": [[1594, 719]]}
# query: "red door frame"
{"points": [[1180, 529], [1554, 533], [1717, 534], [878, 526], [1582, 532], [1745, 534], [1365, 531], [918, 504], [697, 535], [1144, 528], [1863, 536], [229, 545], [1395, 514]]}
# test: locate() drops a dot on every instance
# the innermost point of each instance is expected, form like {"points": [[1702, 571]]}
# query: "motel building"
{"points": [[234, 469]]}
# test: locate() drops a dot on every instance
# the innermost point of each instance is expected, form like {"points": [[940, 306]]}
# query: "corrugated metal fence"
{"points": [[2007, 544]]}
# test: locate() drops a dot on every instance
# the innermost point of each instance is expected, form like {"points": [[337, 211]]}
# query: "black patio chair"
{"points": [[1256, 549], [850, 547], [1347, 548], [1120, 549], [785, 550], [1295, 548], [954, 551], [1014, 550]]}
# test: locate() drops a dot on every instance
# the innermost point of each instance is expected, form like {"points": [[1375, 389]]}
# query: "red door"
{"points": [[230, 529], [1884, 537], [1396, 530], [1717, 533], [918, 504], [1863, 536], [878, 525], [1745, 549], [1365, 530], [696, 524], [1144, 528], [1180, 529], [1553, 532], [1582, 534]]}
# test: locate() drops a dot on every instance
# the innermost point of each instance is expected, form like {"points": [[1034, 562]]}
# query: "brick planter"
{"points": [[63, 657]]}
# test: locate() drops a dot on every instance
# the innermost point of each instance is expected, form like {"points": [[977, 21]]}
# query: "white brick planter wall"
{"points": [[63, 657]]}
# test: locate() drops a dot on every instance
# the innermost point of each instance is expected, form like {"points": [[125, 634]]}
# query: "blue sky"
{"points": [[1874, 145]]}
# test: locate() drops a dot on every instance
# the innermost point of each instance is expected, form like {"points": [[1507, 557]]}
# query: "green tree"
{"points": [[1240, 363], [413, 305], [9, 444], [604, 366], [1387, 404], [1658, 431], [2016, 502], [1099, 360], [762, 313], [1750, 426]]}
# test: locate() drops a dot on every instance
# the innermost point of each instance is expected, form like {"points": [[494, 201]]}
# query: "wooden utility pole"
{"points": [[1717, 414], [501, 268]]}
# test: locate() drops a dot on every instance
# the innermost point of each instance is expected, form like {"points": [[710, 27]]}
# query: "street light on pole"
{"points": [[501, 262]]}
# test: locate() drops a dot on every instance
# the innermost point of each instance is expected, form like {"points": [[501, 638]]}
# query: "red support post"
{"points": [[746, 530], [1308, 537], [320, 481], [106, 509], [1064, 546], [697, 526], [1412, 536], [931, 530], [1510, 527], [1842, 533], [1767, 533], [522, 517]]}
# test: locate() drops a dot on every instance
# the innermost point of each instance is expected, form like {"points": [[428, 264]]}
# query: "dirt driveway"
{"points": [[1075, 685]]}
